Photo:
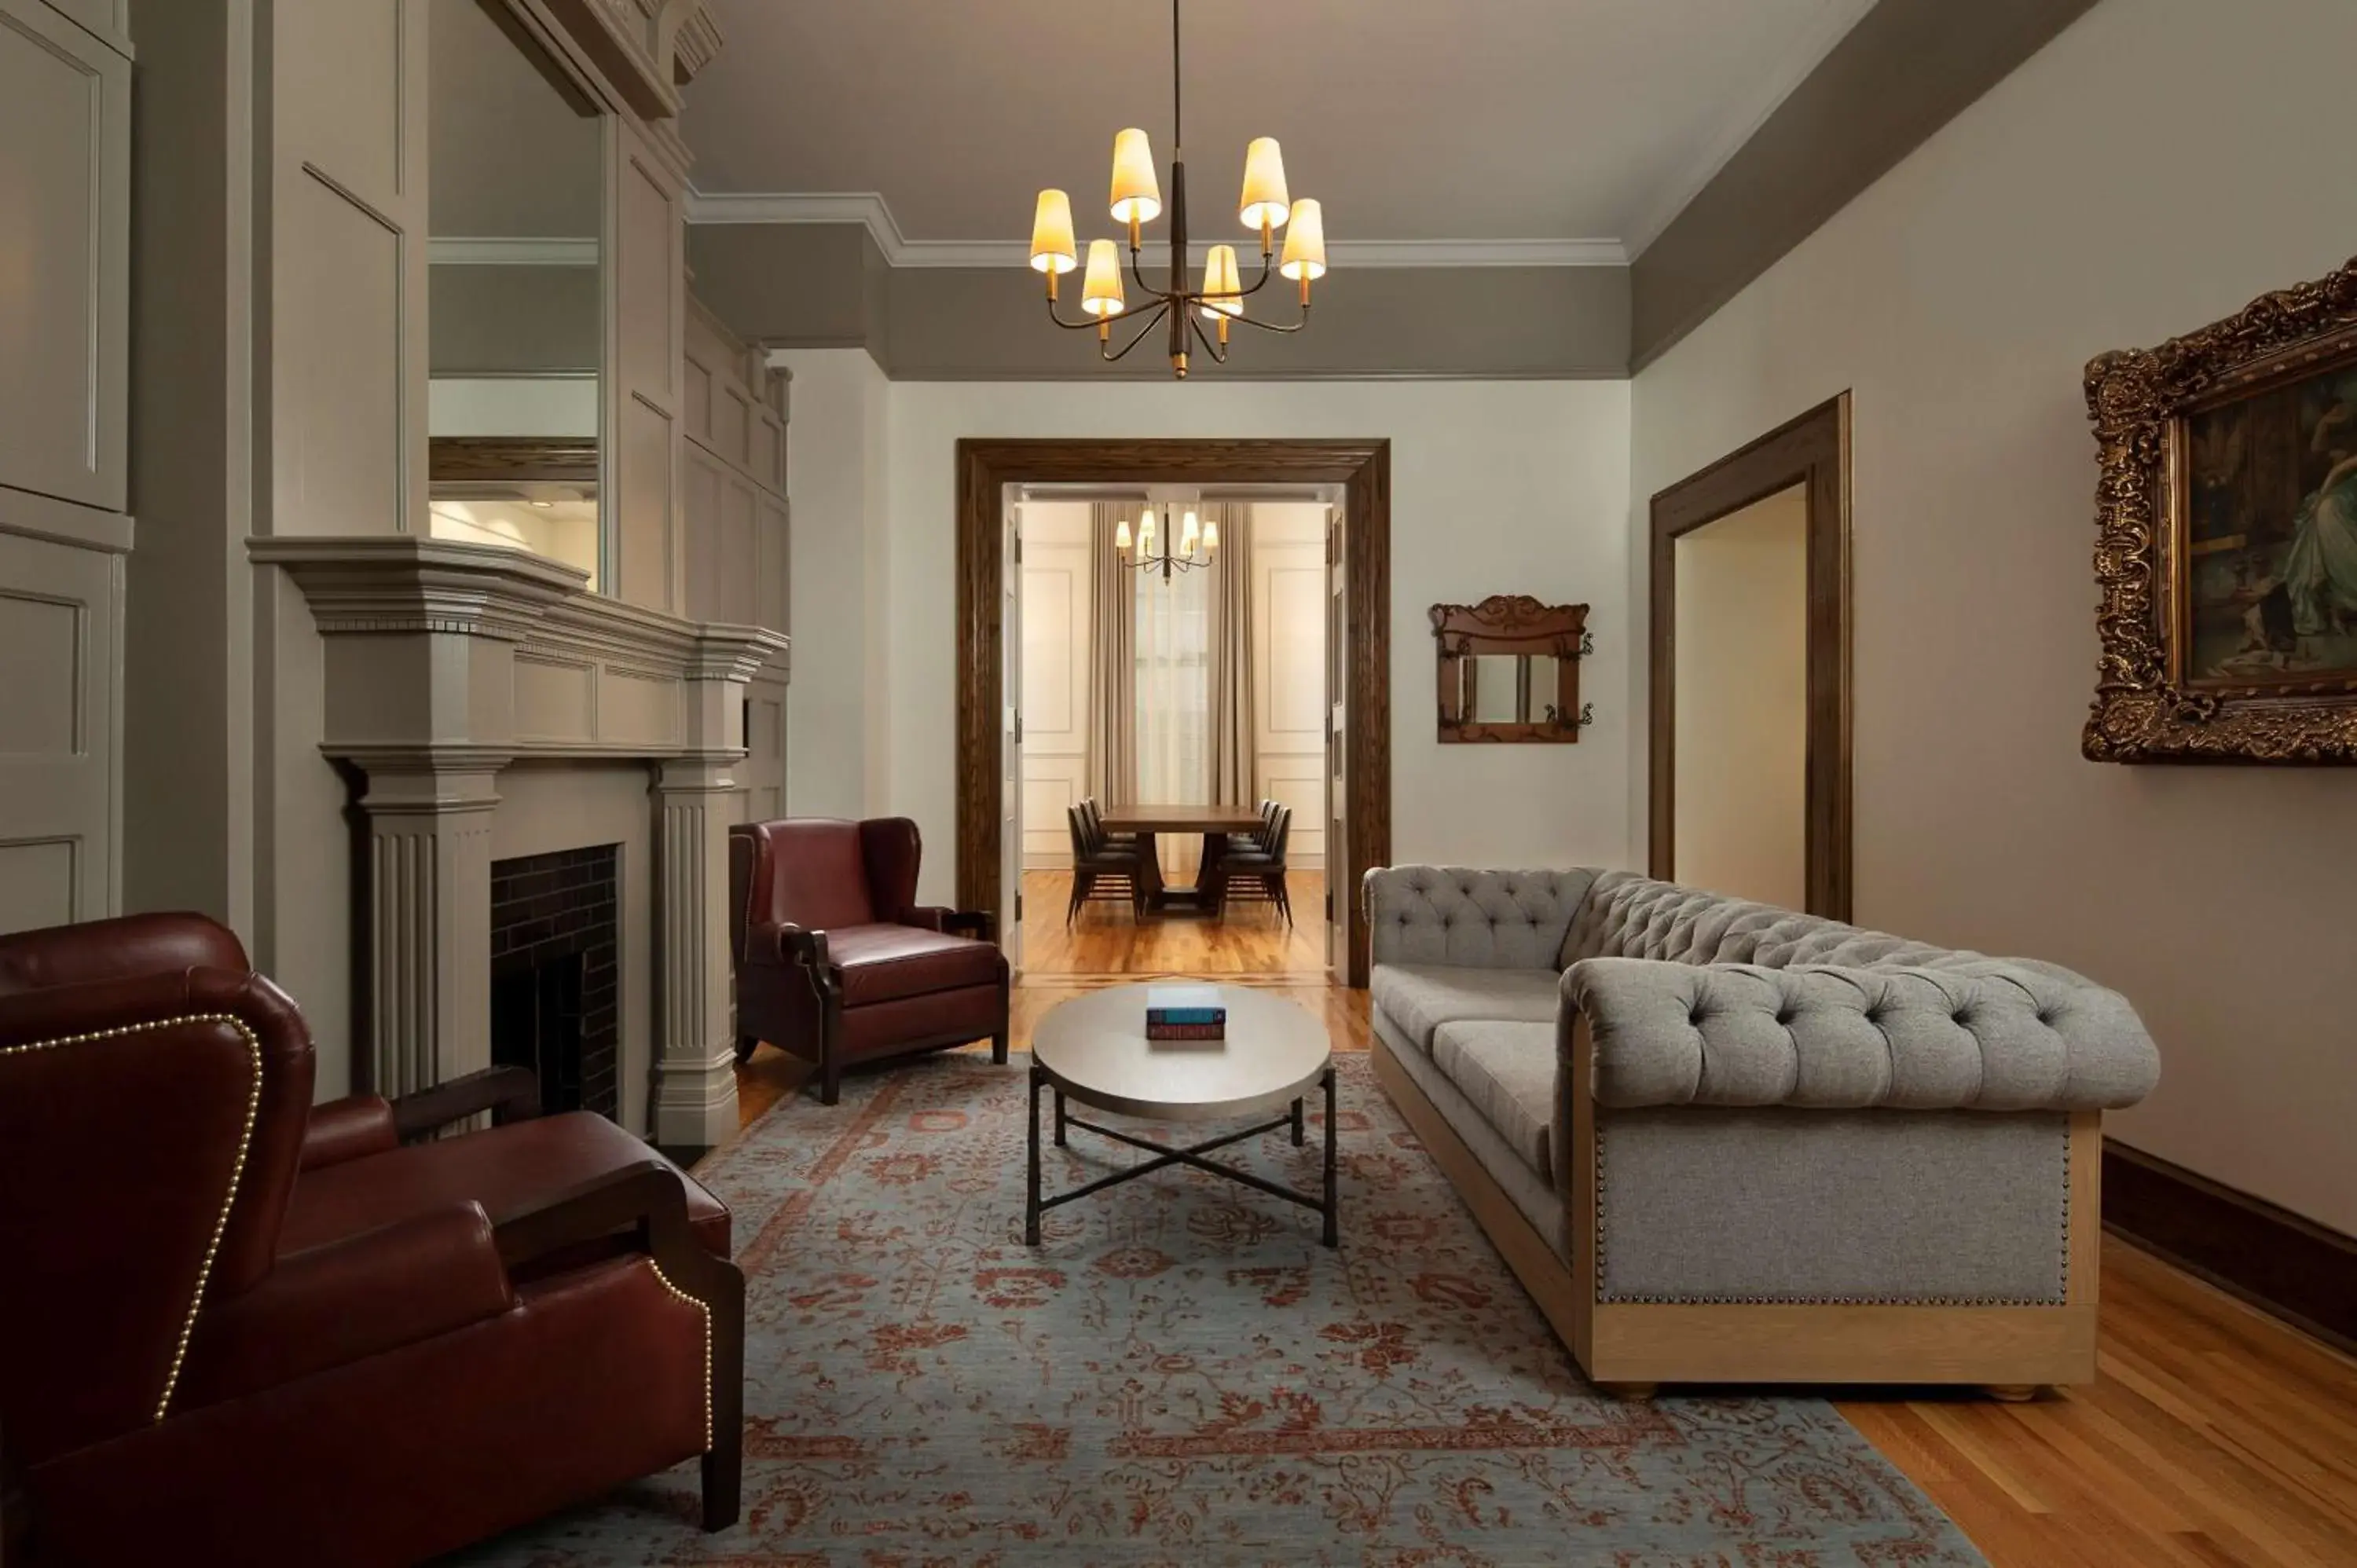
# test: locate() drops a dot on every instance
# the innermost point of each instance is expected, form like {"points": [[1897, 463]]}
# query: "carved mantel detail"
{"points": [[448, 662]]}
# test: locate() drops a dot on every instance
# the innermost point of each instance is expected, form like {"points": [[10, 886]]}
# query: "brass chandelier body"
{"points": [[1185, 306]]}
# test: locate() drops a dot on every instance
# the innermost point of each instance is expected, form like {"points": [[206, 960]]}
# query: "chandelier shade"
{"points": [[1305, 244], [1101, 292], [1179, 303], [1136, 196], [1051, 235], [1266, 204]]}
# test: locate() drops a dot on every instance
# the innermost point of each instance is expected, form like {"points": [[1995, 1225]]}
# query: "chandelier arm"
{"points": [[1144, 326], [1271, 327], [1067, 326], [1267, 271], [1138, 277], [1219, 354]]}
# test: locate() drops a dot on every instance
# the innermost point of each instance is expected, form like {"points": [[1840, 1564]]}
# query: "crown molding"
{"points": [[1830, 25], [492, 250], [869, 209]]}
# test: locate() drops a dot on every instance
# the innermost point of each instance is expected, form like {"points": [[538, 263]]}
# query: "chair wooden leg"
{"points": [[1082, 882], [723, 1462]]}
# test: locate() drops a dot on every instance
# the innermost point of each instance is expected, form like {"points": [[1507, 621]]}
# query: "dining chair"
{"points": [[1257, 875], [1103, 872]]}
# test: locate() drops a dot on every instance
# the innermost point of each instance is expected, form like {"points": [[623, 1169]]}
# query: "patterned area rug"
{"points": [[1180, 1375]]}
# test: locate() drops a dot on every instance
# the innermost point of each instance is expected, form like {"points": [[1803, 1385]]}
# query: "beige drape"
{"points": [[1112, 657], [1232, 745]]}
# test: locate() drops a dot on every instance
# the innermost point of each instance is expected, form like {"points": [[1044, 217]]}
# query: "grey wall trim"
{"points": [[1906, 69], [806, 285]]}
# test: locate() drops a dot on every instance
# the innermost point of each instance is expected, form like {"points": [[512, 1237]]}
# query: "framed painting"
{"points": [[2226, 537]]}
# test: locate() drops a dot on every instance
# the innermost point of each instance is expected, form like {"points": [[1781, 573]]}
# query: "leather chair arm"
{"points": [[348, 1129], [647, 1197], [979, 924], [509, 1093], [782, 945], [326, 1306]]}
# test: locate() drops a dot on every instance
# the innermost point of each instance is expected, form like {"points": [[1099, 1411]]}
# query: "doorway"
{"points": [[1167, 648], [1750, 769], [1350, 575]]}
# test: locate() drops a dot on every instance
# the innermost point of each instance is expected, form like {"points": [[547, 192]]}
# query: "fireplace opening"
{"points": [[555, 954]]}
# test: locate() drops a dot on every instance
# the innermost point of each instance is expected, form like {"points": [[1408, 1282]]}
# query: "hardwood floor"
{"points": [[2213, 1434], [1106, 939]]}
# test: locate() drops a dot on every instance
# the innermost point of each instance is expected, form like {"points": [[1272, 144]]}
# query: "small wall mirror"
{"points": [[515, 306], [1509, 669]]}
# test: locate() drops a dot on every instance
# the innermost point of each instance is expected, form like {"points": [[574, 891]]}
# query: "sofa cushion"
{"points": [[1506, 1070], [884, 963], [1449, 915], [1419, 998]]}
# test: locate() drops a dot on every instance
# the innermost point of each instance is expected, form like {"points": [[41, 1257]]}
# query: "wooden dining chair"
{"points": [[1102, 872], [1257, 875]]}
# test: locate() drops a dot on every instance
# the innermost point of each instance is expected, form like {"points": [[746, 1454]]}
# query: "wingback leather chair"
{"points": [[837, 962], [240, 1328]]}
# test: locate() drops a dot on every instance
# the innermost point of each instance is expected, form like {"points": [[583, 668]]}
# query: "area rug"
{"points": [[1181, 1375]]}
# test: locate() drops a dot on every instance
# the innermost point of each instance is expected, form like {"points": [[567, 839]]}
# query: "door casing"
{"points": [[985, 465]]}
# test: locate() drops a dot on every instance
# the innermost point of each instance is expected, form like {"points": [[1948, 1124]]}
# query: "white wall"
{"points": [[836, 737], [1289, 583], [1497, 488], [512, 405], [1743, 703], [2154, 168], [1056, 633]]}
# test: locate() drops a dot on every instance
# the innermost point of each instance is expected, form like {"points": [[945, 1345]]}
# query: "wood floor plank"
{"points": [[2214, 1436]]}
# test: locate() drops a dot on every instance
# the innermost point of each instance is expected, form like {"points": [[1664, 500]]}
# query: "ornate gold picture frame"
{"points": [[2226, 537]]}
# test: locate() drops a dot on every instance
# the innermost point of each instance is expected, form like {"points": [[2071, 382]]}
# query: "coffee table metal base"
{"points": [[1034, 1205]]}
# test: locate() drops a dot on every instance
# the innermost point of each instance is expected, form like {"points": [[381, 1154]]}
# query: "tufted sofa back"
{"points": [[1478, 919], [1628, 916]]}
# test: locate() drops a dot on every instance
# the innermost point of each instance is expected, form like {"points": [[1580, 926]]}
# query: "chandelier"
{"points": [[1138, 201], [1189, 535]]}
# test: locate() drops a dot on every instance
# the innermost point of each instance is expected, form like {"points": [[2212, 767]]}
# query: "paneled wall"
{"points": [[65, 170], [1056, 633], [1289, 666], [645, 355], [735, 522]]}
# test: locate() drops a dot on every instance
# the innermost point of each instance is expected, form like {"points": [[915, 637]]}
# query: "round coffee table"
{"points": [[1093, 1049]]}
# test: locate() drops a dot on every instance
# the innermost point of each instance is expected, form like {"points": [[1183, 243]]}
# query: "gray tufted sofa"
{"points": [[1724, 1142]]}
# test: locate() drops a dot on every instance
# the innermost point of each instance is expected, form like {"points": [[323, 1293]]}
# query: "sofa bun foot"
{"points": [[2011, 1393], [1631, 1392]]}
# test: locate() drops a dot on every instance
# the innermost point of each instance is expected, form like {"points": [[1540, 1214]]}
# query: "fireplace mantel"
{"points": [[446, 663]]}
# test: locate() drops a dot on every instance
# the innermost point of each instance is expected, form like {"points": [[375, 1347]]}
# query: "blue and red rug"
{"points": [[1180, 1375]]}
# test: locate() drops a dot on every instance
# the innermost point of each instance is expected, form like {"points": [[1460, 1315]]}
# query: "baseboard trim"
{"points": [[2280, 1263]]}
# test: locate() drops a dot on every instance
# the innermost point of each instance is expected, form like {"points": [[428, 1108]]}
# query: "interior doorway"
{"points": [[1751, 760], [1343, 795], [1168, 650]]}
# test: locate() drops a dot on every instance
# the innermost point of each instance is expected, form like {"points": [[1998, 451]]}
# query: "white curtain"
{"points": [[1173, 660]]}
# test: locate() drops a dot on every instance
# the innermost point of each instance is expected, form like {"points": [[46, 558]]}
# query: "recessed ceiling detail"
{"points": [[1484, 132]]}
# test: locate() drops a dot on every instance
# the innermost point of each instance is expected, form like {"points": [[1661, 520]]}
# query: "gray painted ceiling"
{"points": [[1434, 120]]}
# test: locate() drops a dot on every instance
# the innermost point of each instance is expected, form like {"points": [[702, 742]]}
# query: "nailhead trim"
{"points": [[1610, 1298], [236, 1173], [664, 1280]]}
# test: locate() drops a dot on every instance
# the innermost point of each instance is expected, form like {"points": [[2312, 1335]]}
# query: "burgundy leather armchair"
{"points": [[836, 962], [240, 1328]]}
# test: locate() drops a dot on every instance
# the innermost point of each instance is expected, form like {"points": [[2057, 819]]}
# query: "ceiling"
{"points": [[1411, 120]]}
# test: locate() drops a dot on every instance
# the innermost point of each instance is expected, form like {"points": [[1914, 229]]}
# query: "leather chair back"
{"points": [[110, 950], [150, 1128], [892, 848], [805, 871]]}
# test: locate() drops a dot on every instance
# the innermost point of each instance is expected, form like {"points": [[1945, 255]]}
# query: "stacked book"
{"points": [[1191, 1014]]}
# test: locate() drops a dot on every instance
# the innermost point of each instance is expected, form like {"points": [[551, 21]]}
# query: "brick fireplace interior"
{"points": [[554, 958]]}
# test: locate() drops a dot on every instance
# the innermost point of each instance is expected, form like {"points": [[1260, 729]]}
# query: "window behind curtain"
{"points": [[1174, 664]]}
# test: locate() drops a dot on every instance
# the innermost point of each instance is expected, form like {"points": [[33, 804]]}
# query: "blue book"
{"points": [[1184, 1004]]}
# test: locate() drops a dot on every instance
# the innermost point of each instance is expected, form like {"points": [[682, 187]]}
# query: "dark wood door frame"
{"points": [[1364, 470], [1811, 451]]}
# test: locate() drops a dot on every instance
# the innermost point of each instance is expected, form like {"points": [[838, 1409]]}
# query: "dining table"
{"points": [[1148, 822]]}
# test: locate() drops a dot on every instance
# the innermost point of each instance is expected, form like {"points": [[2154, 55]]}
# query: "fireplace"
{"points": [[554, 961]]}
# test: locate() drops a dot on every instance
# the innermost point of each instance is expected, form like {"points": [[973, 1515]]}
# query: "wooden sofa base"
{"points": [[1638, 1346]]}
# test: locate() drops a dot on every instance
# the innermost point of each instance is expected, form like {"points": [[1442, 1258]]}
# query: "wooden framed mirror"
{"points": [[1509, 670]]}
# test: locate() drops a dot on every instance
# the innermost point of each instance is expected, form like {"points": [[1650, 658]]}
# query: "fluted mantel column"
{"points": [[429, 918], [696, 1054]]}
